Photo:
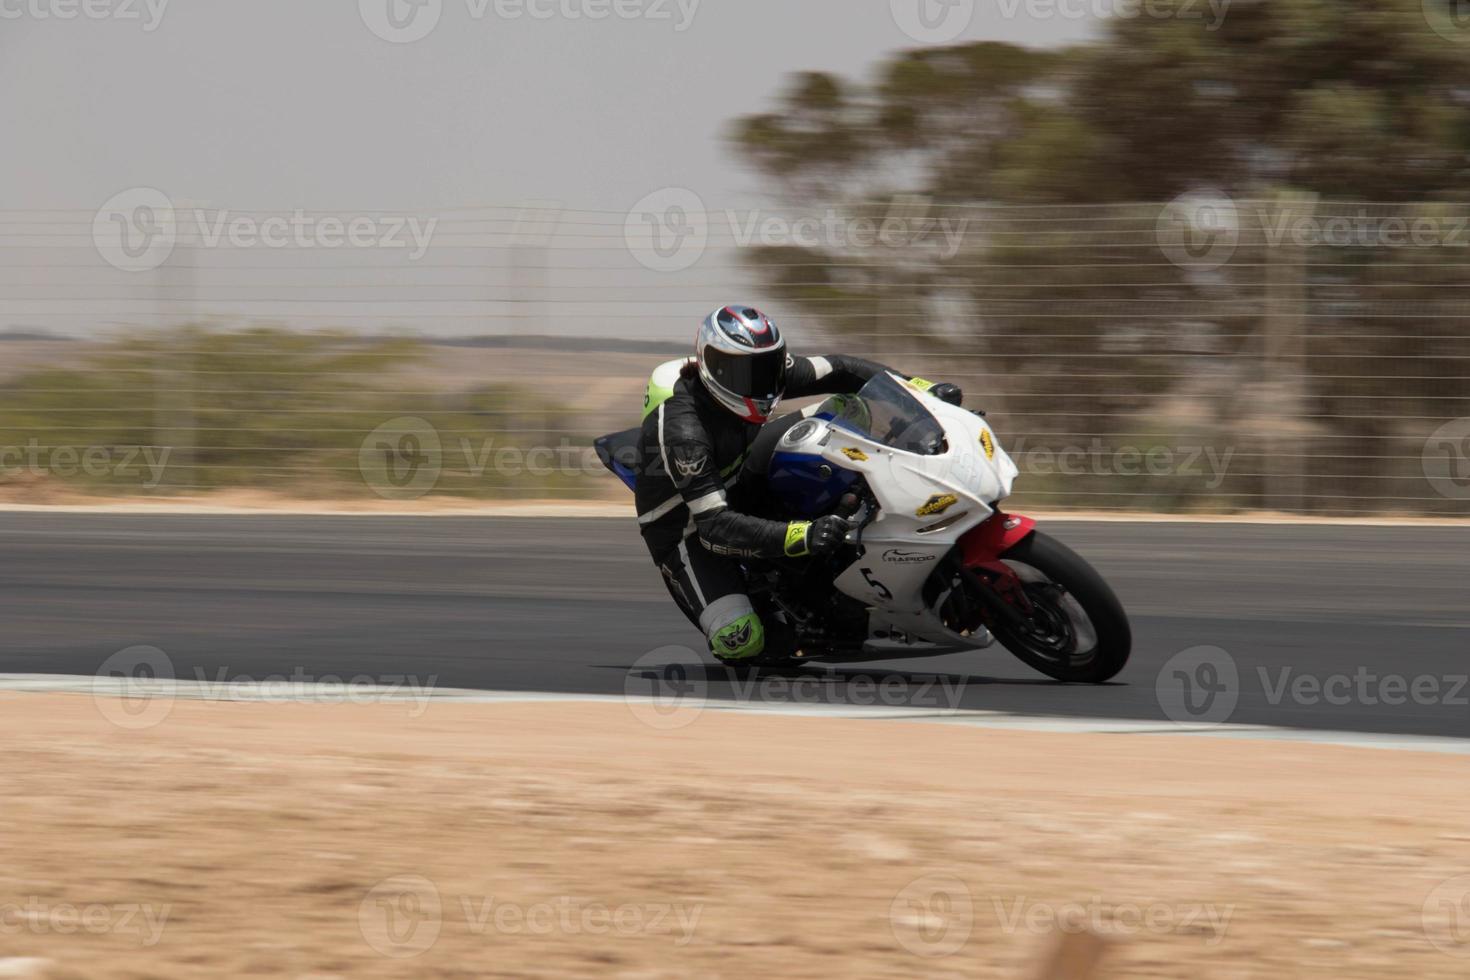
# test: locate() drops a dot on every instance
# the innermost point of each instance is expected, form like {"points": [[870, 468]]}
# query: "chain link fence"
{"points": [[1207, 354]]}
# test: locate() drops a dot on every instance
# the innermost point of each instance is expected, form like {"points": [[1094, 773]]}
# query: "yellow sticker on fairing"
{"points": [[855, 454], [988, 442], [937, 504]]}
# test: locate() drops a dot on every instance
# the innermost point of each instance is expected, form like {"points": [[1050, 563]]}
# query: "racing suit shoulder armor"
{"points": [[691, 446]]}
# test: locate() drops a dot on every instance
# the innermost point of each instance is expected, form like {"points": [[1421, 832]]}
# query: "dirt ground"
{"points": [[515, 840]]}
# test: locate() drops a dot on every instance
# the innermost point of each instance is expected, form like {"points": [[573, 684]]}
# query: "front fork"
{"points": [[994, 585]]}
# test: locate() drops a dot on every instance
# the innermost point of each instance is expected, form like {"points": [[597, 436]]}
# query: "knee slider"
{"points": [[735, 631]]}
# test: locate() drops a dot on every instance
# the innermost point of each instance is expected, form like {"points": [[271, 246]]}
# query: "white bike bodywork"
{"points": [[925, 504]]}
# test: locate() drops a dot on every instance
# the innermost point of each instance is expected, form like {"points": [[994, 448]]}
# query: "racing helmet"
{"points": [[742, 361]]}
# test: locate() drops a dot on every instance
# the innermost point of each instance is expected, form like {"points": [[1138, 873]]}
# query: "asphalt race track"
{"points": [[1326, 627]]}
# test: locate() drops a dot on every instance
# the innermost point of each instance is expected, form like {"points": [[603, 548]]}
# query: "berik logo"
{"points": [[737, 639], [692, 466], [906, 557]]}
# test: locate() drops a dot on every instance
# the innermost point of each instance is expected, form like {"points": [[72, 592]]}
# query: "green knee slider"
{"points": [[740, 640]]}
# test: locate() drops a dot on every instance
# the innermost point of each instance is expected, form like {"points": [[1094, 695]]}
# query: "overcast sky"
{"points": [[287, 103], [283, 104]]}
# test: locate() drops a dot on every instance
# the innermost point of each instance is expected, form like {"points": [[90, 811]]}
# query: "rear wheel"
{"points": [[1075, 628]]}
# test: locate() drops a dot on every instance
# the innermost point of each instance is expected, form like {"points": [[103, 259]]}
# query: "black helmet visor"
{"points": [[757, 375]]}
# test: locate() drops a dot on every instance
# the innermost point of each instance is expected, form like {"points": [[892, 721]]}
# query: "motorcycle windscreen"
{"points": [[885, 411]]}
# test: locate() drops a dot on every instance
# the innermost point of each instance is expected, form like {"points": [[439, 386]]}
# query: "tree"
{"points": [[1046, 155]]}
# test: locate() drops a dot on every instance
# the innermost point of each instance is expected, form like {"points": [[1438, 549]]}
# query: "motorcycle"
{"points": [[932, 564]]}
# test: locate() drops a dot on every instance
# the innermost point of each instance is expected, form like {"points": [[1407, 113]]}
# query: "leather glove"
{"points": [[947, 392], [942, 390], [818, 537]]}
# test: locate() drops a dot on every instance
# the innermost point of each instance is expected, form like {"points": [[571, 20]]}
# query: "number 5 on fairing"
{"points": [[878, 587]]}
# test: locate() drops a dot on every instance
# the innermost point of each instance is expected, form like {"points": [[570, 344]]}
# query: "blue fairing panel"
{"points": [[808, 484], [617, 451]]}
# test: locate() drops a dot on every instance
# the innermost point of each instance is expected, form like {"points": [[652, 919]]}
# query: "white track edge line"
{"points": [[257, 692]]}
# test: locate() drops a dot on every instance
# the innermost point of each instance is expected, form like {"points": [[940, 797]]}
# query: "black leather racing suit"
{"points": [[690, 452]]}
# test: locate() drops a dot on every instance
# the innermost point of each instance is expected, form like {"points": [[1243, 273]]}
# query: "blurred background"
{"points": [[278, 278], [1190, 255]]}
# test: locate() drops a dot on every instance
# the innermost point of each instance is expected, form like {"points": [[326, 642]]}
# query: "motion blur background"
{"points": [[1190, 256]]}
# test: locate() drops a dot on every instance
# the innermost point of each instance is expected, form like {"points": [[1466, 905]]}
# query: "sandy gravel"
{"points": [[480, 840]]}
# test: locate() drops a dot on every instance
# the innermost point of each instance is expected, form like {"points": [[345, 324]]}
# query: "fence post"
{"points": [[535, 226], [173, 401], [1283, 364]]}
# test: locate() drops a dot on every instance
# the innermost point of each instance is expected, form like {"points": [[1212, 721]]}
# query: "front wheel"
{"points": [[1075, 628]]}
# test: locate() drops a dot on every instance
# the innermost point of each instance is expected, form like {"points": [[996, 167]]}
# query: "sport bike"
{"points": [[931, 565]]}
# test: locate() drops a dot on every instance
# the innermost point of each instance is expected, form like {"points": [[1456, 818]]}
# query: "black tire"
{"points": [[1046, 647]]}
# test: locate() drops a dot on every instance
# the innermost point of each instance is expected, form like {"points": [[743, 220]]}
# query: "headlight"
{"points": [[800, 432]]}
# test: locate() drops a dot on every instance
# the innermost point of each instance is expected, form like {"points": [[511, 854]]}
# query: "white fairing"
{"points": [[917, 523]]}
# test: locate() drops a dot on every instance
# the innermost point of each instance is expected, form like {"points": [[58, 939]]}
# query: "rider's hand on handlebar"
{"points": [[823, 535], [942, 390], [827, 534], [947, 392]]}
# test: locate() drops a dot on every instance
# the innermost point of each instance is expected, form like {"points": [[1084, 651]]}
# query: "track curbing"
{"points": [[265, 692]]}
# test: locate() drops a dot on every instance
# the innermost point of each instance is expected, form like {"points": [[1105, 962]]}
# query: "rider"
{"points": [[697, 431]]}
